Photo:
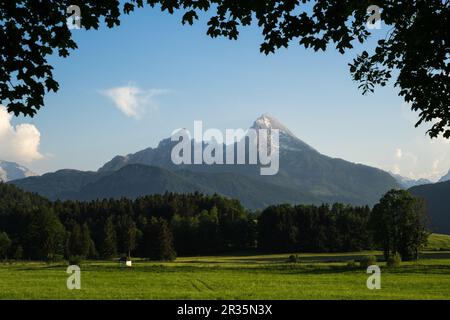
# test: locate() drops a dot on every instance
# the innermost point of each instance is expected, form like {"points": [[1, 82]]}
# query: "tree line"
{"points": [[396, 225], [160, 227]]}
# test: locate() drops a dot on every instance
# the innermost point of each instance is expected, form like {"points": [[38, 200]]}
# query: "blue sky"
{"points": [[183, 75]]}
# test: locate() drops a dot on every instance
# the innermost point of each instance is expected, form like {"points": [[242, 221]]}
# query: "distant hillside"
{"points": [[137, 180], [12, 197], [437, 197], [62, 184]]}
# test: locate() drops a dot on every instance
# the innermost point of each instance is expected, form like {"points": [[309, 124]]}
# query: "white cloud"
{"points": [[396, 169], [404, 163], [440, 141], [18, 143], [431, 161], [134, 101]]}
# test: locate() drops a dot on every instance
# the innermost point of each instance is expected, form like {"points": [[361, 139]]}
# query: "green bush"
{"points": [[394, 260], [367, 261], [351, 264]]}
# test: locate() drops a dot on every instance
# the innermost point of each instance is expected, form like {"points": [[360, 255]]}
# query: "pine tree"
{"points": [[109, 239], [45, 235], [75, 244], [130, 240], [88, 246], [5, 244], [158, 240]]}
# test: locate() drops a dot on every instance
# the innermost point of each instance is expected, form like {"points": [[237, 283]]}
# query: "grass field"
{"points": [[438, 242], [315, 276]]}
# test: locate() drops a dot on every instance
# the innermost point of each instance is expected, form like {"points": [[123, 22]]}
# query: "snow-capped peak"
{"points": [[12, 171], [268, 122], [288, 140], [445, 177]]}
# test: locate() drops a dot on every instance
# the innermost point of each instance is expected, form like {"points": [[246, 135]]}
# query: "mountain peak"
{"points": [[288, 140], [407, 183], [12, 171], [445, 177], [267, 121]]}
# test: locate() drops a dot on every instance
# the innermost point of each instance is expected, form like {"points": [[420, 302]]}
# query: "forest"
{"points": [[162, 227]]}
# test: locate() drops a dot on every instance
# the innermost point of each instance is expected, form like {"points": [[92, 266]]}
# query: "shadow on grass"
{"points": [[292, 269], [314, 264], [435, 255], [326, 258], [316, 258]]}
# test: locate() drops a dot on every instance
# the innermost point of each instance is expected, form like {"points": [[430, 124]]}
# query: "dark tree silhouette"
{"points": [[45, 235], [398, 223], [5, 244], [30, 31], [416, 45], [75, 243], [108, 244], [80, 243], [160, 227], [158, 241], [286, 228]]}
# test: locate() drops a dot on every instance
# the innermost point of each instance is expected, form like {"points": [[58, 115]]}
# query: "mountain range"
{"points": [[305, 176], [408, 182], [436, 197], [10, 171]]}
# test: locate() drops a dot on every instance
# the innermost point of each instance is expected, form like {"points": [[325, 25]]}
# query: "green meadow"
{"points": [[438, 242], [313, 276]]}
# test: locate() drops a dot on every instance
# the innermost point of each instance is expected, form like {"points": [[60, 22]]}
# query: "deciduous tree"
{"points": [[415, 48], [398, 223]]}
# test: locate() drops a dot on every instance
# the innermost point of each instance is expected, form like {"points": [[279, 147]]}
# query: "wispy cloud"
{"points": [[421, 156], [432, 162], [134, 101], [18, 143]]}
